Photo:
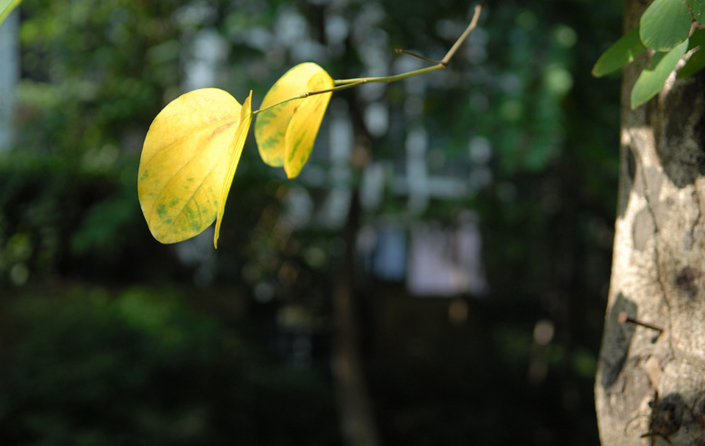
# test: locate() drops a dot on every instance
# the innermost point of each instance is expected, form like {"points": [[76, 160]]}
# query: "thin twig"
{"points": [[342, 84], [466, 33], [393, 78], [409, 53]]}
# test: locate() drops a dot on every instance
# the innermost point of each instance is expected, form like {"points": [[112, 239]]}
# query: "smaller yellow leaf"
{"points": [[305, 123], [238, 144], [273, 126]]}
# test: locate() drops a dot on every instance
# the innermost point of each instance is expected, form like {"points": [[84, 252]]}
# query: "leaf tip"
{"points": [[291, 174]]}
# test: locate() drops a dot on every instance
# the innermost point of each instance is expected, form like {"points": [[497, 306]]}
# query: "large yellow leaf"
{"points": [[277, 132], [189, 157]]}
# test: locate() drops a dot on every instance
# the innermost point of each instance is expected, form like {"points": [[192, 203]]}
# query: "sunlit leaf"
{"points": [[665, 24], [696, 61], [239, 142], [271, 125], [654, 75], [6, 7], [619, 54], [698, 8], [286, 132], [304, 125], [191, 148]]}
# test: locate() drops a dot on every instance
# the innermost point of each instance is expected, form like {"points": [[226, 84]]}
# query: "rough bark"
{"points": [[650, 387]]}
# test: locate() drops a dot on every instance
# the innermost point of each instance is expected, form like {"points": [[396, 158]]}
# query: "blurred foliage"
{"points": [[96, 76], [45, 203], [91, 83], [140, 367]]}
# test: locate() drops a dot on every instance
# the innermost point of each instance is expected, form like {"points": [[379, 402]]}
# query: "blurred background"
{"points": [[437, 275]]}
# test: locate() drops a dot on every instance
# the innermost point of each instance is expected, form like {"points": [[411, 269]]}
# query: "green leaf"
{"points": [[6, 7], [696, 61], [619, 54], [654, 75], [698, 8], [665, 24], [188, 160]]}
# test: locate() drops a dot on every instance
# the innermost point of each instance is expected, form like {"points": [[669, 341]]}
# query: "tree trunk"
{"points": [[355, 408], [650, 386]]}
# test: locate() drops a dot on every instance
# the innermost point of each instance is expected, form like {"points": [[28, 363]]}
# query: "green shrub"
{"points": [[141, 368]]}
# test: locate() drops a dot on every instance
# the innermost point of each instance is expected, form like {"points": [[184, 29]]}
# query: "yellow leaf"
{"points": [[304, 124], [285, 133], [191, 147], [238, 144]]}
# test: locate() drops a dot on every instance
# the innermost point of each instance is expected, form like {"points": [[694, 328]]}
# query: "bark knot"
{"points": [[686, 280]]}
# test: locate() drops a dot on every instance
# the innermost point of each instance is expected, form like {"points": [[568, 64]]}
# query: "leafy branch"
{"points": [[193, 147], [669, 29]]}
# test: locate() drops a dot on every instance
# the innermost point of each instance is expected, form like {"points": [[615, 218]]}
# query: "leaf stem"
{"points": [[393, 78], [353, 83], [344, 84]]}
